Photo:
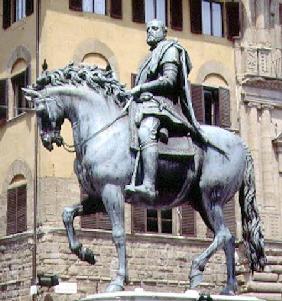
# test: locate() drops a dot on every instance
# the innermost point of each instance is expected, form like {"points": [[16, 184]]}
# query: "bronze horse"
{"points": [[95, 104]]}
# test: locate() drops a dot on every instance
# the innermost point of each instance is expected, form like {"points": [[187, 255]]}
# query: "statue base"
{"points": [[141, 295]]}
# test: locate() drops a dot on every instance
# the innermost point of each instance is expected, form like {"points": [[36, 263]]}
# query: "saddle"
{"points": [[170, 145]]}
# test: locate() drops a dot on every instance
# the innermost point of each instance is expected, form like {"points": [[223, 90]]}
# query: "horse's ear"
{"points": [[29, 94]]}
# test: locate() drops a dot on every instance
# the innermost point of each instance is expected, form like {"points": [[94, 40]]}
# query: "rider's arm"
{"points": [[164, 83], [167, 82]]}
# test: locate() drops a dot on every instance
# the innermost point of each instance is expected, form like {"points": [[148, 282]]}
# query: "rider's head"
{"points": [[156, 32]]}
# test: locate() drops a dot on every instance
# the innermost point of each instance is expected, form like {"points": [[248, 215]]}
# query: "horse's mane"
{"points": [[100, 80]]}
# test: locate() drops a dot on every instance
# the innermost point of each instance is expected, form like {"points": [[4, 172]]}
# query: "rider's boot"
{"points": [[150, 163]]}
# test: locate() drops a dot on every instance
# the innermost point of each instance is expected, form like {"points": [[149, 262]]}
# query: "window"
{"points": [[92, 6], [155, 9], [211, 105], [3, 101], [159, 221], [16, 210], [16, 10], [20, 81], [147, 10], [212, 18], [206, 17], [98, 220]]}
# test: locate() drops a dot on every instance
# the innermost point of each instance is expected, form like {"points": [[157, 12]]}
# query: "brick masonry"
{"points": [[155, 262]]}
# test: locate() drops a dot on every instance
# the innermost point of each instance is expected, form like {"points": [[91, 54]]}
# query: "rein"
{"points": [[71, 148]]}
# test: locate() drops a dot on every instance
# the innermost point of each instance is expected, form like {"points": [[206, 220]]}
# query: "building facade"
{"points": [[235, 83]]}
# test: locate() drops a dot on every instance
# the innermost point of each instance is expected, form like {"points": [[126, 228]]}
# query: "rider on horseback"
{"points": [[163, 101]]}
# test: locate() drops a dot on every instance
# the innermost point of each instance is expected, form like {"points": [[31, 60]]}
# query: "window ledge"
{"points": [[89, 14], [16, 236], [18, 24], [14, 119]]}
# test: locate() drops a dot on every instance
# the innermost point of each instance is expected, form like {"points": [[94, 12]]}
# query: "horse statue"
{"points": [[96, 105]]}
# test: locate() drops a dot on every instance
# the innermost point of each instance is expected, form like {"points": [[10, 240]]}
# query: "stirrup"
{"points": [[146, 192]]}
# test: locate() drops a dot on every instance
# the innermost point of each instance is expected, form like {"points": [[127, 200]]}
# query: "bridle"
{"points": [[71, 148]]}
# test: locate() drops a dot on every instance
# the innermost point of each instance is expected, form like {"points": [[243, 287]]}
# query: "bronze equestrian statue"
{"points": [[205, 171]]}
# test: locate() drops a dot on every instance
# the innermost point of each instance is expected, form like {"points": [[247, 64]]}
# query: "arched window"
{"points": [[17, 205], [96, 59], [211, 101]]}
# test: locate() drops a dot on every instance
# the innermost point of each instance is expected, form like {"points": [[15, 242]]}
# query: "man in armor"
{"points": [[163, 99]]}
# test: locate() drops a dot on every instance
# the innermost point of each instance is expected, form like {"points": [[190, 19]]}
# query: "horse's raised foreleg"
{"points": [[114, 203], [68, 215], [213, 217]]}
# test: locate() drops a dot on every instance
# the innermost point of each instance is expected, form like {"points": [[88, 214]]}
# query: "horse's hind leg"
{"points": [[68, 216], [114, 203], [229, 250], [212, 215]]}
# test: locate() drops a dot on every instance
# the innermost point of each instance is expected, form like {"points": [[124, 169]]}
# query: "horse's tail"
{"points": [[251, 223]]}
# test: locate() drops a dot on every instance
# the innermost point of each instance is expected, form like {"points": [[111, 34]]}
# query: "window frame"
{"points": [[17, 93], [10, 11], [211, 18], [155, 5], [160, 221]]}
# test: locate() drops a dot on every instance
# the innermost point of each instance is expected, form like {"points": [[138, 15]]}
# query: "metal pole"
{"points": [[35, 184]]}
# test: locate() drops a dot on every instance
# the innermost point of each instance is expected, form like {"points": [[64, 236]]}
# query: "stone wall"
{"points": [[266, 284], [154, 262], [16, 267]]}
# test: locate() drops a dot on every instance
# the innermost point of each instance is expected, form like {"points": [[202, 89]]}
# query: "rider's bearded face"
{"points": [[156, 32]]}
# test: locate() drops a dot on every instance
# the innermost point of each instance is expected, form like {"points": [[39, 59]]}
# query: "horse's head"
{"points": [[50, 116]]}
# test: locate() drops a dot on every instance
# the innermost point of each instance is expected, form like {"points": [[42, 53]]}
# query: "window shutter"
{"points": [[224, 107], [116, 9], [3, 101], [280, 13], [197, 95], [188, 227], [133, 78], [6, 14], [29, 7], [21, 209], [138, 218], [233, 19], [196, 16], [176, 15], [229, 216], [75, 5], [12, 211], [138, 11], [98, 220]]}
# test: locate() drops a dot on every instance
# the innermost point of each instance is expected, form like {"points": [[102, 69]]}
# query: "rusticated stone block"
{"points": [[274, 260], [264, 287], [265, 277], [274, 269]]}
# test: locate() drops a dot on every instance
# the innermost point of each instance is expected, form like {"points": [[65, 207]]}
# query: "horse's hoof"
{"points": [[87, 255], [114, 287], [196, 279]]}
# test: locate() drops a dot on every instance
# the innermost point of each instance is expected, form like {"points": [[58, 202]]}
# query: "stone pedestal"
{"points": [[141, 295]]}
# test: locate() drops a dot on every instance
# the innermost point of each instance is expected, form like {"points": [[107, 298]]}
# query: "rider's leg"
{"points": [[149, 151]]}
